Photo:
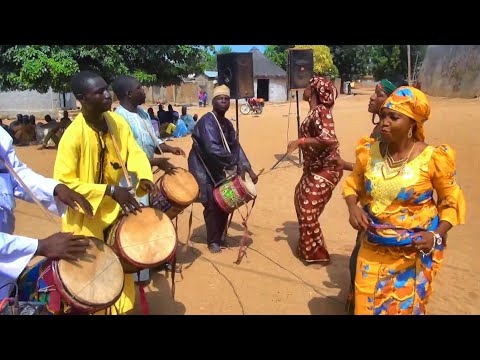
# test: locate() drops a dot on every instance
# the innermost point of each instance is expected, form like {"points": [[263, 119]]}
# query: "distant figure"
{"points": [[200, 98], [349, 88], [205, 99]]}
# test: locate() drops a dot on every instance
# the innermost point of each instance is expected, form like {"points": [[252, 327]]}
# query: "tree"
{"points": [[39, 67], [210, 62], [391, 61], [322, 60], [351, 61], [225, 49], [278, 54]]}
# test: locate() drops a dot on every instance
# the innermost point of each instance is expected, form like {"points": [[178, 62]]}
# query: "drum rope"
{"points": [[117, 150], [154, 138]]}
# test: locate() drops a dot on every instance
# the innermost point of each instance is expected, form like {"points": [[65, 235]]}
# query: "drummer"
{"points": [[16, 251], [87, 161], [209, 146], [131, 95]]}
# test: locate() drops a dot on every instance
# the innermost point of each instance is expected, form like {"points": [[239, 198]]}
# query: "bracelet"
{"points": [[437, 240], [112, 190]]}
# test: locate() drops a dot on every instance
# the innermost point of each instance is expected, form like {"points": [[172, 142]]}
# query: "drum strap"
{"points": [[243, 241], [143, 298]]}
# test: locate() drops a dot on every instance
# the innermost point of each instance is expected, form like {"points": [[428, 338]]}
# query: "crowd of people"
{"points": [[389, 192]]}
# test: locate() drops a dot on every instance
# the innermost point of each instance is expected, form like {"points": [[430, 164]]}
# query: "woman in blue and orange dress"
{"points": [[404, 228], [321, 173]]}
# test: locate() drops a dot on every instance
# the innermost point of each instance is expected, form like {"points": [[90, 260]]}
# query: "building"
{"points": [[34, 103], [269, 79]]}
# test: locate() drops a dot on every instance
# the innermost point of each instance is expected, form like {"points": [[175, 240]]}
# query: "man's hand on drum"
{"points": [[242, 171], [63, 246], [148, 186], [72, 198], [253, 176], [125, 199], [163, 164]]}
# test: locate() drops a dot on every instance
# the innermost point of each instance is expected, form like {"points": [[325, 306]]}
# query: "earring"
{"points": [[410, 133]]}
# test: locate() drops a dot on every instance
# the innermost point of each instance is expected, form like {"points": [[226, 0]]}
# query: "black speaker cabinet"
{"points": [[236, 71], [300, 68]]}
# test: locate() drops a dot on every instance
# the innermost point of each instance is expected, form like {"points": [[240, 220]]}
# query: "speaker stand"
{"points": [[236, 115], [299, 163]]}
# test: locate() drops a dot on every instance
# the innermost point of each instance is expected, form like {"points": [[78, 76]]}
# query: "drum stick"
{"points": [[15, 175], [152, 136], [278, 162], [117, 150]]}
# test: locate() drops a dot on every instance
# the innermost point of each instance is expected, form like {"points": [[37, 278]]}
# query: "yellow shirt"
{"points": [[405, 202], [78, 166]]}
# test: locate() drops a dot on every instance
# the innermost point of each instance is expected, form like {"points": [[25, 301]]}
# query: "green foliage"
{"points": [[38, 67], [278, 54], [391, 61], [322, 60], [352, 61]]}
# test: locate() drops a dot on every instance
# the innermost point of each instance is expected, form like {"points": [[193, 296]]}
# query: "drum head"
{"points": [[147, 238], [94, 279], [248, 185], [181, 187]]}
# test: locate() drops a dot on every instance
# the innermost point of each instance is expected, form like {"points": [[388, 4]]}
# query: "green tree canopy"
{"points": [[39, 67], [322, 60], [278, 54]]}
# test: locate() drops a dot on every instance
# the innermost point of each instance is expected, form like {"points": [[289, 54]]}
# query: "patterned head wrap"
{"points": [[413, 103], [327, 93]]}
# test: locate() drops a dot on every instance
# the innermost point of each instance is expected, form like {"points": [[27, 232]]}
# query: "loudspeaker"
{"points": [[236, 71], [300, 68]]}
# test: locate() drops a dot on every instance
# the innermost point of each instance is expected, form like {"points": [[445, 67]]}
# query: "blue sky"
{"points": [[244, 48]]}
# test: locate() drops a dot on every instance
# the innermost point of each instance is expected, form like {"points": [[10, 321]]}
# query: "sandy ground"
{"points": [[271, 280]]}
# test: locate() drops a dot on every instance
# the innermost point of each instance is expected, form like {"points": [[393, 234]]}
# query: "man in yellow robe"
{"points": [[87, 162]]}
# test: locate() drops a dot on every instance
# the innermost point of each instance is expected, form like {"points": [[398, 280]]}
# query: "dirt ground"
{"points": [[271, 280]]}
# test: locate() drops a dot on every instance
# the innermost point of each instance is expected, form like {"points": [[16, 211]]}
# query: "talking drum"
{"points": [[92, 283], [176, 192], [234, 193], [143, 241]]}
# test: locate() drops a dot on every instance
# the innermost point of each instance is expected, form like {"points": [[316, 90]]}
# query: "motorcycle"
{"points": [[252, 105]]}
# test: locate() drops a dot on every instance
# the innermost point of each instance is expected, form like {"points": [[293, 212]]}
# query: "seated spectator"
{"points": [[187, 119]]}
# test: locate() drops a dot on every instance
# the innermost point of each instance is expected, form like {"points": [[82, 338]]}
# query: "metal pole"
{"points": [[409, 66], [298, 128], [236, 111]]}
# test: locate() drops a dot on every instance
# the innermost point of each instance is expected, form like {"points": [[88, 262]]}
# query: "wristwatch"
{"points": [[437, 238]]}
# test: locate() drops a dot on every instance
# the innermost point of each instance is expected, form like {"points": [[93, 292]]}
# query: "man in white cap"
{"points": [[208, 146]]}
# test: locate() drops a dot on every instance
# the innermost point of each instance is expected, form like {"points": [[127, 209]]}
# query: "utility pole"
{"points": [[409, 66]]}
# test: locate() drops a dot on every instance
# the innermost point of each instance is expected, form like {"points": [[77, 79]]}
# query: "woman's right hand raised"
{"points": [[358, 218]]}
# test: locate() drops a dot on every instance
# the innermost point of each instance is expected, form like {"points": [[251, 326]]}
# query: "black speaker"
{"points": [[300, 68], [236, 71]]}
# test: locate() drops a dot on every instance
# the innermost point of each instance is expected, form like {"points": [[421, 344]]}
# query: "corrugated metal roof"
{"points": [[211, 74]]}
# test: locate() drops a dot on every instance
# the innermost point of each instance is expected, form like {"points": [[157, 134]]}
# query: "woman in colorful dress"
{"points": [[319, 146], [403, 228]]}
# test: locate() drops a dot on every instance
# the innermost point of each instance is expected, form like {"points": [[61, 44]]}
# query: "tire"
{"points": [[245, 109]]}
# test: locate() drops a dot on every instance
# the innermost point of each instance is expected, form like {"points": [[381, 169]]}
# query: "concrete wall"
{"points": [[33, 103], [277, 89], [451, 71], [184, 94]]}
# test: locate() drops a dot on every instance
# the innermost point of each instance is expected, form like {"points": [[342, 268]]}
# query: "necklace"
{"points": [[391, 167]]}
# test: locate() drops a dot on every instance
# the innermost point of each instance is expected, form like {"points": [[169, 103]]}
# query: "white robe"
{"points": [[17, 251]]}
